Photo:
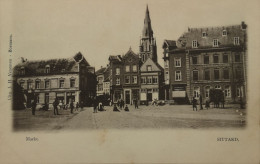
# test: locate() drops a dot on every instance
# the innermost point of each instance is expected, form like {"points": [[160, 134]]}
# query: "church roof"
{"points": [[147, 30]]}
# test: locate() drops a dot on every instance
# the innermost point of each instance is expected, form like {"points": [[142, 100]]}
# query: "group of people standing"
{"points": [[207, 104], [70, 105]]}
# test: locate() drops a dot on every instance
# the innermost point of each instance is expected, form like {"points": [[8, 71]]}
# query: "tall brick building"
{"points": [[205, 58], [68, 78]]}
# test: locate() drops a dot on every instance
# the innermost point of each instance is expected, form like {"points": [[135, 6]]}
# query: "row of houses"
{"points": [[199, 60]]}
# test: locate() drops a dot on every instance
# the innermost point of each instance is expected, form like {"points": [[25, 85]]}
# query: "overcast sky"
{"points": [[61, 28]]}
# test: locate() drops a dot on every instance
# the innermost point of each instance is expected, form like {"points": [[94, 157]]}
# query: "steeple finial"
{"points": [[147, 30]]}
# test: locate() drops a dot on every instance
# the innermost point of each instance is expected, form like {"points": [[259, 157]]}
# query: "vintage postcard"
{"points": [[129, 81]]}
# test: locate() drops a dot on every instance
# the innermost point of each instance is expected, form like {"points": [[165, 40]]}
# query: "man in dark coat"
{"points": [[33, 107], [115, 109], [136, 103], [194, 104], [201, 103], [71, 106], [55, 106]]}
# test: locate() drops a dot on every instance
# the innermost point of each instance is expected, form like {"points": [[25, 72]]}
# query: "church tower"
{"points": [[148, 48]]}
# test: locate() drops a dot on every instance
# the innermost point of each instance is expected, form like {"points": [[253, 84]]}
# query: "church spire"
{"points": [[147, 30]]}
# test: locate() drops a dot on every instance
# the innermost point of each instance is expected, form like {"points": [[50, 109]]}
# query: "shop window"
{"points": [[227, 91], [196, 92]]}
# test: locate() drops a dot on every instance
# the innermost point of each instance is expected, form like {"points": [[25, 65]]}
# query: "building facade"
{"points": [[125, 71], [103, 82], [66, 79], [206, 58], [151, 81]]}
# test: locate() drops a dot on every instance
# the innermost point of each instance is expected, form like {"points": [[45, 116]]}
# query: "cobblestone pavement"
{"points": [[175, 116]]}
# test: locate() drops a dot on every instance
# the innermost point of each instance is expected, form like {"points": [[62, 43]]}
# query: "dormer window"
{"points": [[215, 42], [47, 69], [236, 40], [194, 44], [204, 34], [224, 33], [22, 71]]}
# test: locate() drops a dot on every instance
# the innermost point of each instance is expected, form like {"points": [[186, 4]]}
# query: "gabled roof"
{"points": [[130, 53], [62, 65], [100, 71], [115, 58], [155, 66]]}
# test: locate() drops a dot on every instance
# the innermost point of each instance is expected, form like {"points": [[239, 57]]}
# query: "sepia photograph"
{"points": [[124, 69]]}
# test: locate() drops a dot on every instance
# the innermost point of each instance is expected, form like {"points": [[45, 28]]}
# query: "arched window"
{"points": [[217, 87], [196, 92], [47, 69], [207, 88], [227, 91]]}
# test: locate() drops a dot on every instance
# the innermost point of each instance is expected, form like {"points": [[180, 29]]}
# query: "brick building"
{"points": [[205, 58], [125, 75], [69, 78]]}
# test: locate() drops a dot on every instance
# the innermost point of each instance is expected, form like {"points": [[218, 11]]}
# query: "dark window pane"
{"points": [[207, 75], [226, 74], [215, 59], [216, 74], [206, 59], [225, 58], [195, 75], [194, 60], [237, 58]]}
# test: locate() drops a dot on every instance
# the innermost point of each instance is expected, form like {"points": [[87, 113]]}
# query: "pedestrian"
{"points": [[194, 104], [81, 105], [123, 103], [71, 106], [136, 103], [126, 108], [95, 104], [207, 104], [55, 106], [223, 101], [115, 109], [33, 107], [77, 106], [201, 107]]}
